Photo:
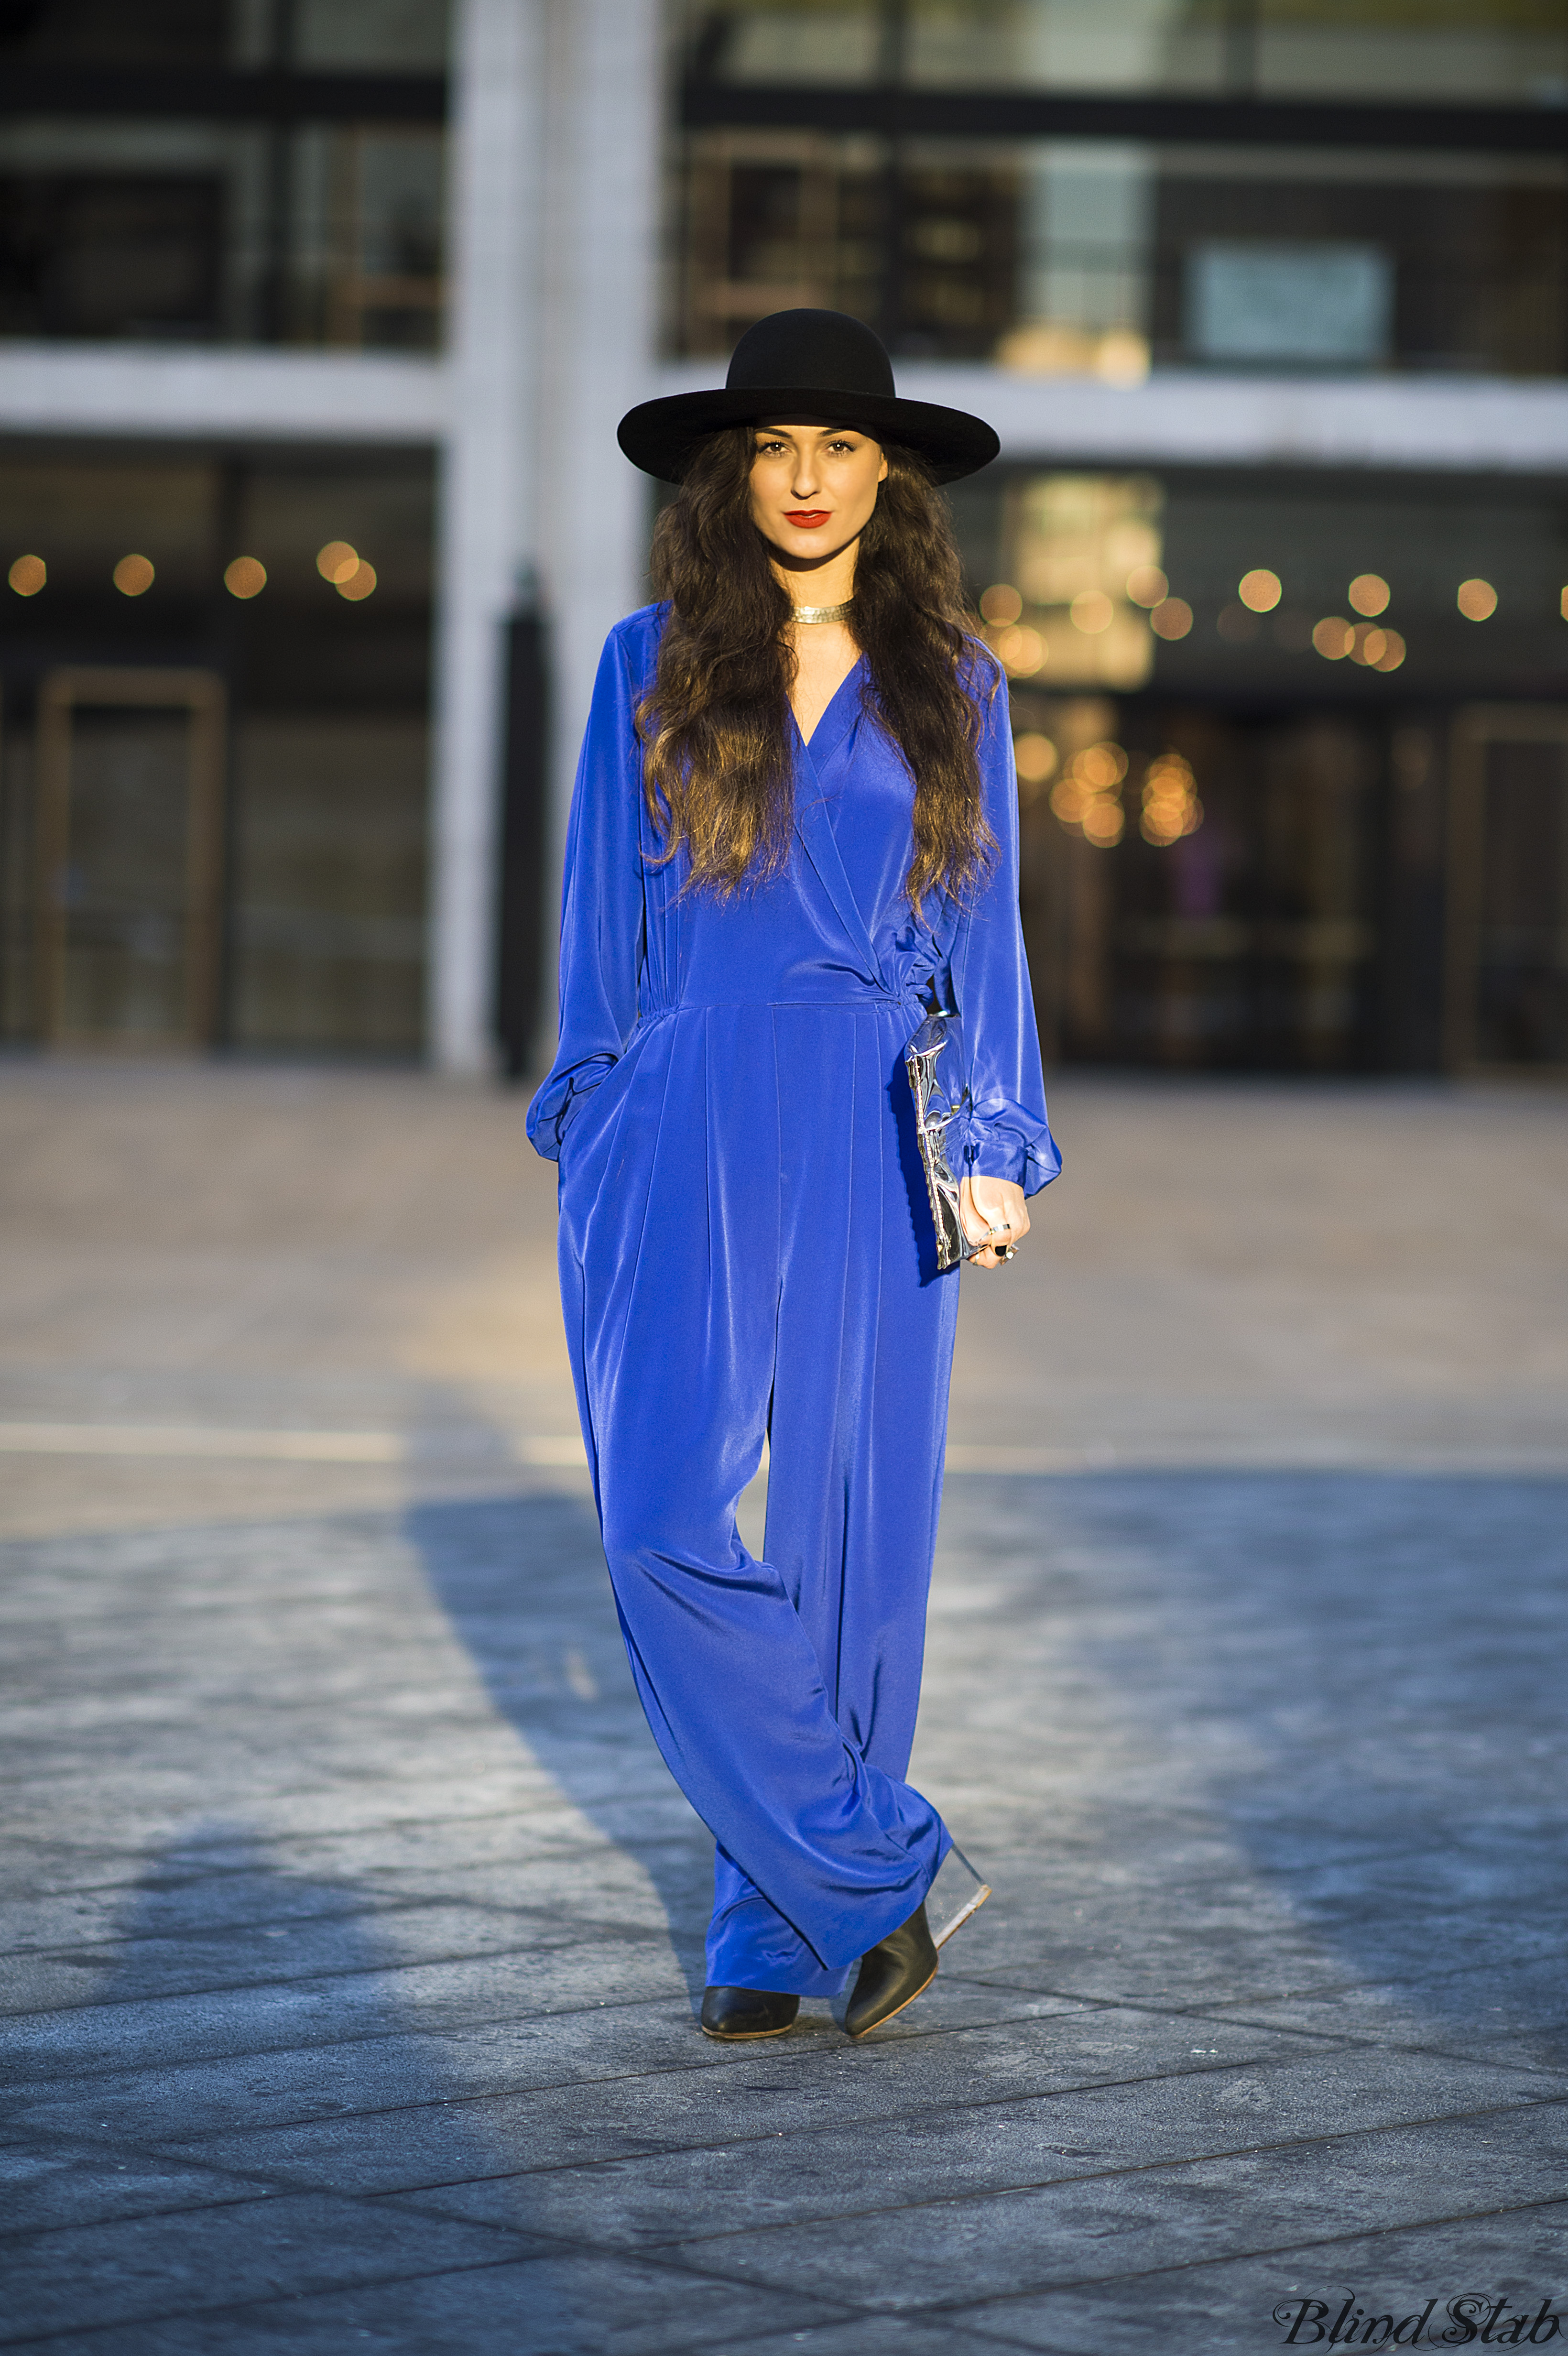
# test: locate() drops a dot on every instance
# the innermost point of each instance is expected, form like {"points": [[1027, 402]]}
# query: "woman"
{"points": [[794, 828]]}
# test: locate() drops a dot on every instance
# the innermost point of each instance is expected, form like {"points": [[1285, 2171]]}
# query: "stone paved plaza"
{"points": [[353, 1928]]}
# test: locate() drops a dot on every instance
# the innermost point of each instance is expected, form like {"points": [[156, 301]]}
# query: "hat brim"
{"points": [[663, 436]]}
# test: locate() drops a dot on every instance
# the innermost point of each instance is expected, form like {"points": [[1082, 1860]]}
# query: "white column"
{"points": [[488, 494], [600, 267]]}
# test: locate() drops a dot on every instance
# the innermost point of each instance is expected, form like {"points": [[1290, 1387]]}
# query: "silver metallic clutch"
{"points": [[934, 1062]]}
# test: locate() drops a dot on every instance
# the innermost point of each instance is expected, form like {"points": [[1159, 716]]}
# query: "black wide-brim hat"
{"points": [[807, 368]]}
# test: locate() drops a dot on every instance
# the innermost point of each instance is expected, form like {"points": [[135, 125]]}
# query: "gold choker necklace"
{"points": [[822, 613]]}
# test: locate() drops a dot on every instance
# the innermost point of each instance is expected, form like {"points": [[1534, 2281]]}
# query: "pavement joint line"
{"points": [[1329, 1988], [1268, 2250], [198, 1846], [1000, 2102], [223, 1988], [1087, 2000], [549, 2254], [700, 2061], [292, 2300], [294, 1447], [218, 1874], [1360, 2040], [394, 1907], [666, 2258], [1144, 2168], [443, 1449], [669, 2256], [165, 2147], [184, 1996], [272, 2179]]}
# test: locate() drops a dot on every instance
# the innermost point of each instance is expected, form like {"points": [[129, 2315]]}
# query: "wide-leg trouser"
{"points": [[745, 1250]]}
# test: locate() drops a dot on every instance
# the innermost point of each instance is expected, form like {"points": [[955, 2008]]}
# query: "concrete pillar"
{"points": [[557, 125], [597, 348], [488, 488]]}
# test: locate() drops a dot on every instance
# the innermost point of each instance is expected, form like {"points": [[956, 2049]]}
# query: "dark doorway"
{"points": [[130, 767], [1203, 889], [1508, 978]]}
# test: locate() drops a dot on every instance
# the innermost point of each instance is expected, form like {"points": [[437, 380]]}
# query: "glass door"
{"points": [[129, 768]]}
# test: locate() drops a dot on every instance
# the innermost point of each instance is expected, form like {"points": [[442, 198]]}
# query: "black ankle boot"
{"points": [[891, 1974], [735, 2013]]}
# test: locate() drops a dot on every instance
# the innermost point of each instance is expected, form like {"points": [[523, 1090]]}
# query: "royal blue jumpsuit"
{"points": [[746, 1248]]}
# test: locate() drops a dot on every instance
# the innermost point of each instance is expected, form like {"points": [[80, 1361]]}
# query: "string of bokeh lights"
{"points": [[1087, 798], [1024, 651], [352, 576]]}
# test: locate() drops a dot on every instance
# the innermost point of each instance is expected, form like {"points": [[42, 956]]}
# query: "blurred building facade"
{"points": [[315, 319]]}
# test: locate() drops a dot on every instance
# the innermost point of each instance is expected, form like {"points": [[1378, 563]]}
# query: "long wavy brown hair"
{"points": [[715, 724]]}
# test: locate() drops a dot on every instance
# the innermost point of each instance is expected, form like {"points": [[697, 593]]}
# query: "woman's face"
{"points": [[813, 488]]}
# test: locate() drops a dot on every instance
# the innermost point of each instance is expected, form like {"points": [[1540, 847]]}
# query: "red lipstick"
{"points": [[806, 518]]}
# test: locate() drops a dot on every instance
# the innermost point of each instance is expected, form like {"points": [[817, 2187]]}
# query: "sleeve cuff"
{"points": [[549, 1121], [991, 1151]]}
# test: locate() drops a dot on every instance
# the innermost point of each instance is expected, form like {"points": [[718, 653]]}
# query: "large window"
{"points": [[1114, 255], [1069, 186], [187, 171], [1495, 51]]}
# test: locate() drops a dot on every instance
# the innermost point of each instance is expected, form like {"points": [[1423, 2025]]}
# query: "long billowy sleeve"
{"points": [[1007, 1135], [601, 905]]}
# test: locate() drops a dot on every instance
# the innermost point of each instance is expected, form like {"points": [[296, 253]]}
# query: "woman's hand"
{"points": [[992, 1202]]}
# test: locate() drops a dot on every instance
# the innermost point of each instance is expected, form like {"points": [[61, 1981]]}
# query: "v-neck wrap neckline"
{"points": [[838, 714]]}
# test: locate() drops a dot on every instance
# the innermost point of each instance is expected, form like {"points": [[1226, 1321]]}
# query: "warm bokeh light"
{"points": [[1102, 766], [1171, 618], [1146, 585], [133, 576], [1086, 799], [1019, 651], [1332, 636], [1368, 593], [1260, 591], [338, 562], [246, 577], [1123, 357], [1116, 356], [1563, 605], [1367, 646], [1478, 600], [1392, 654], [1170, 804], [1091, 611], [359, 583], [28, 574], [1035, 755], [1001, 604]]}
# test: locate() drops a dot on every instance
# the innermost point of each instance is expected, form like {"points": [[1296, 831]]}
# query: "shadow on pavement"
{"points": [[1362, 1674], [523, 1582], [209, 2148]]}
